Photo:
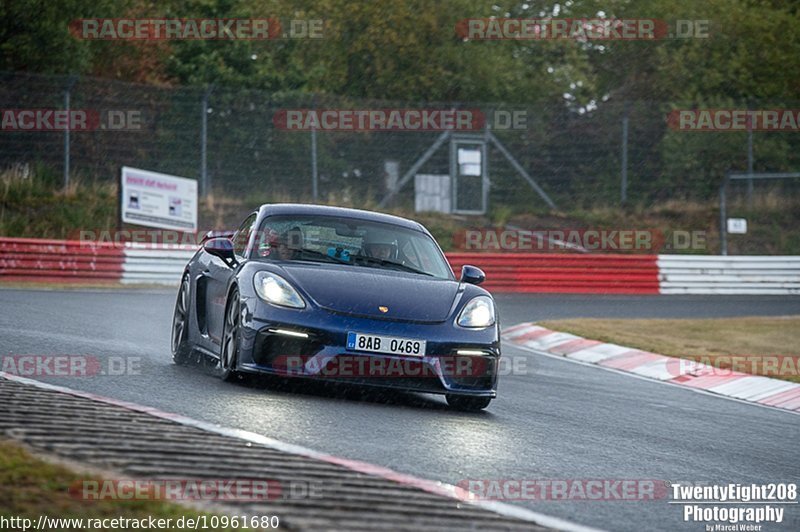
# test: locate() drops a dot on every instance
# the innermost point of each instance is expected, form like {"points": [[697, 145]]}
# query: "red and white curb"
{"points": [[431, 486], [742, 386]]}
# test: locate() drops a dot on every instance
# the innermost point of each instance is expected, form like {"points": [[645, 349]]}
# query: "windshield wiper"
{"points": [[390, 263]]}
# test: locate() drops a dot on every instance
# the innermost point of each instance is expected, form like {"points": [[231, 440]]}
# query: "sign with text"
{"points": [[737, 226], [158, 200]]}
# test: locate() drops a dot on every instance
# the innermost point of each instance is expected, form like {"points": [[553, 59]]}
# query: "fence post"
{"points": [[314, 174], [749, 162], [723, 215], [204, 184], [623, 193], [67, 94]]}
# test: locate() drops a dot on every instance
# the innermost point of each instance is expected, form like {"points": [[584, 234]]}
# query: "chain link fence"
{"points": [[610, 153]]}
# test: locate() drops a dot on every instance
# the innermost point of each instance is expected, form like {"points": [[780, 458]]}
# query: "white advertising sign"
{"points": [[158, 200]]}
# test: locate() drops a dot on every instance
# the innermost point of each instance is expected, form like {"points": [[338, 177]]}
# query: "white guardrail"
{"points": [[147, 264], [678, 274], [710, 274]]}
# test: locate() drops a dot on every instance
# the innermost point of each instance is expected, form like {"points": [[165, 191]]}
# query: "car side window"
{"points": [[243, 235]]}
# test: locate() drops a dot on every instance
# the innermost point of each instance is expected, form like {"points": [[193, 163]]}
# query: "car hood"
{"points": [[361, 291]]}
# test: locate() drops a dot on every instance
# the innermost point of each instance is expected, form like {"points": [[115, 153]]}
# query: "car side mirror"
{"points": [[217, 234], [222, 248], [472, 274]]}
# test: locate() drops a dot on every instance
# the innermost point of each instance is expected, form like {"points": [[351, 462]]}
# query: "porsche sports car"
{"points": [[339, 294]]}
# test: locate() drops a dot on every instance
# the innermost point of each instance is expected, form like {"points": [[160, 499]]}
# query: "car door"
{"points": [[217, 276]]}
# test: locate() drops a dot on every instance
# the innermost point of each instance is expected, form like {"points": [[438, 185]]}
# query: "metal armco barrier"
{"points": [[29, 259], [579, 274], [24, 259], [702, 274]]}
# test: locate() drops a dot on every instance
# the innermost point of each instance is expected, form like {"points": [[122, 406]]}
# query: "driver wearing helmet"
{"points": [[379, 248], [276, 246]]}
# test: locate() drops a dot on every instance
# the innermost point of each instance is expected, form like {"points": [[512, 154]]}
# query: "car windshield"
{"points": [[350, 242]]}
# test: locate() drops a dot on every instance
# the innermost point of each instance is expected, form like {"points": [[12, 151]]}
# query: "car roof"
{"points": [[271, 209]]}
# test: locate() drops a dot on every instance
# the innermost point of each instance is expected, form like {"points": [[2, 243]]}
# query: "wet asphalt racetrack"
{"points": [[557, 420]]}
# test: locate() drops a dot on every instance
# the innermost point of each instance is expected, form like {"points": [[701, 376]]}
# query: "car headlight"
{"points": [[275, 289], [479, 312]]}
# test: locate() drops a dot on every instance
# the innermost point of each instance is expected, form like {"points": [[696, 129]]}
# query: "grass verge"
{"points": [[30, 487], [768, 346]]}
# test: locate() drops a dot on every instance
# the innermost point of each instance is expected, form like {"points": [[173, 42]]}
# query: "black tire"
{"points": [[468, 403], [229, 347], [181, 350]]}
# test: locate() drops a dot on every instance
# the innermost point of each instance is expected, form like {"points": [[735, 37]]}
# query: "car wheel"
{"points": [[468, 403], [229, 350], [181, 350]]}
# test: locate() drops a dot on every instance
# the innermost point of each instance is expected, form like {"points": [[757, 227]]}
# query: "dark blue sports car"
{"points": [[339, 294]]}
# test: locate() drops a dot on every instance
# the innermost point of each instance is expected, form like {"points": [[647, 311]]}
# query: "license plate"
{"points": [[385, 344]]}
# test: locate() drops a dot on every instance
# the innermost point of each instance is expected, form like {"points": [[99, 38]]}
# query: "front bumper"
{"points": [[310, 343]]}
